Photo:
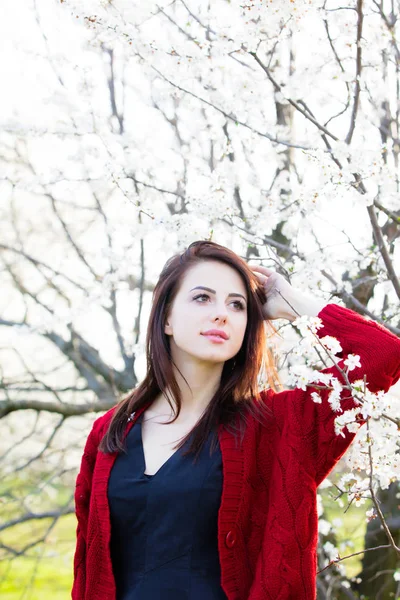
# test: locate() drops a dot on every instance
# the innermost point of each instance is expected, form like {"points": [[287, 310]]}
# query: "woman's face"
{"points": [[196, 310]]}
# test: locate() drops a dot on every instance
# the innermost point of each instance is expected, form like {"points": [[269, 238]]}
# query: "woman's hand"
{"points": [[283, 300]]}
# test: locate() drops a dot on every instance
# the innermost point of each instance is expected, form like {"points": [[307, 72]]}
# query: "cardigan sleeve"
{"points": [[82, 500], [379, 352]]}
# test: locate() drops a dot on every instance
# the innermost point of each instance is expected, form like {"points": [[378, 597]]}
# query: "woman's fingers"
{"points": [[270, 281], [261, 269], [263, 273], [263, 278]]}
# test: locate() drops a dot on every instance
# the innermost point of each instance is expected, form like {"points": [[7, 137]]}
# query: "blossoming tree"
{"points": [[271, 127]]}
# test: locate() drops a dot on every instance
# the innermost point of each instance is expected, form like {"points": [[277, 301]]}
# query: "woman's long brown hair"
{"points": [[238, 393]]}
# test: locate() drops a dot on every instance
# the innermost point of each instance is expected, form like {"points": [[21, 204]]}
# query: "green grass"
{"points": [[352, 529], [46, 574]]}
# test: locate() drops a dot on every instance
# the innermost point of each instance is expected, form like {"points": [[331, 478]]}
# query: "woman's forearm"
{"points": [[302, 304]]}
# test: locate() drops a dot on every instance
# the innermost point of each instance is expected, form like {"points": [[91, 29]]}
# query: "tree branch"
{"points": [[387, 212], [295, 104], [358, 72], [231, 117], [383, 250], [67, 410], [39, 263], [36, 517], [346, 296]]}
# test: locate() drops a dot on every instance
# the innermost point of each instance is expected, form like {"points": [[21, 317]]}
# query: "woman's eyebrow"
{"points": [[202, 287]]}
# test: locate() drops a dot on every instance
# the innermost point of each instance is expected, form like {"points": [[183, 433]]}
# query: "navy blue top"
{"points": [[164, 526]]}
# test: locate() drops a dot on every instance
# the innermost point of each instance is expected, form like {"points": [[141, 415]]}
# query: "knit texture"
{"points": [[267, 522]]}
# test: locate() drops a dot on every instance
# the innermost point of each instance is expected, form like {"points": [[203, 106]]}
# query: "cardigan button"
{"points": [[230, 539]]}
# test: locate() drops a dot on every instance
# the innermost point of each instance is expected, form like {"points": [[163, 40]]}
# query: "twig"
{"points": [[374, 499], [354, 554]]}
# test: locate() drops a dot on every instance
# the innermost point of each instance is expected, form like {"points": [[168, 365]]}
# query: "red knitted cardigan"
{"points": [[267, 521]]}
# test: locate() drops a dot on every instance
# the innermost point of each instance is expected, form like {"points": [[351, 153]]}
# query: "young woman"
{"points": [[197, 486]]}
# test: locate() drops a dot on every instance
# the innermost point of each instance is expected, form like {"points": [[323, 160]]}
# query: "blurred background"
{"points": [[129, 130]]}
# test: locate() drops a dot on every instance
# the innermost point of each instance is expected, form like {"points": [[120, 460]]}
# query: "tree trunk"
{"points": [[379, 566]]}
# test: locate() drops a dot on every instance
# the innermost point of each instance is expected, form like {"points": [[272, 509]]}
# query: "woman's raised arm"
{"points": [[314, 422], [307, 412]]}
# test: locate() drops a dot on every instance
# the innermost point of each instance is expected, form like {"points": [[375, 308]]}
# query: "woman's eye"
{"points": [[239, 305], [200, 296]]}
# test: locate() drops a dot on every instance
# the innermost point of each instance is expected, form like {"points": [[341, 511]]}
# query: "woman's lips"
{"points": [[214, 338]]}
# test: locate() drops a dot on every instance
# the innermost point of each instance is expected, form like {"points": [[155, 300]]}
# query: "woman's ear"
{"points": [[167, 328]]}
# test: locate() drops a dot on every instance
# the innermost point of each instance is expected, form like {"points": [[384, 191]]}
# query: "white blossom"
{"points": [[374, 405], [370, 514], [331, 551], [308, 324], [316, 397], [324, 526], [352, 361], [347, 419], [302, 375], [331, 343], [334, 395]]}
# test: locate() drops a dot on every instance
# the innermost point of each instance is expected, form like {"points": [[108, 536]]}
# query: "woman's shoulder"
{"points": [[277, 405], [260, 409], [101, 423]]}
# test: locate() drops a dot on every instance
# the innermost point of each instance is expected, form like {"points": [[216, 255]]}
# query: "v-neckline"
{"points": [[149, 476]]}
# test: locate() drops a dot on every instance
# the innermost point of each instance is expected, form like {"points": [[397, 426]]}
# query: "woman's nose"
{"points": [[220, 316]]}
